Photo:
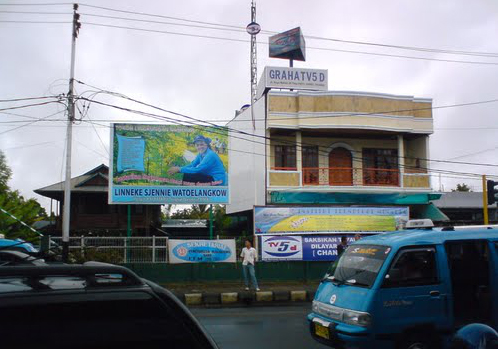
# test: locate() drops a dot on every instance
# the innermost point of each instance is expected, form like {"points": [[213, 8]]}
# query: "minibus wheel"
{"points": [[417, 341]]}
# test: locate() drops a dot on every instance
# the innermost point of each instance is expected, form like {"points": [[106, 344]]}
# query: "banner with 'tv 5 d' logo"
{"points": [[281, 248]]}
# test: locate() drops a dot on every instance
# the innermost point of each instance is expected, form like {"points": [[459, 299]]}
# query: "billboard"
{"points": [[293, 78], [301, 248], [201, 251], [288, 45], [168, 164], [270, 220]]}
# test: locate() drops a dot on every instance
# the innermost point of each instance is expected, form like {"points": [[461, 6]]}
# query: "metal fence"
{"points": [[119, 249]]}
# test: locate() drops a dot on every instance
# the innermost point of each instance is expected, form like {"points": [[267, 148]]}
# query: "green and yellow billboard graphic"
{"points": [[312, 220]]}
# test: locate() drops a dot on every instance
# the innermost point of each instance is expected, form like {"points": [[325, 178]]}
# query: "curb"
{"points": [[215, 299]]}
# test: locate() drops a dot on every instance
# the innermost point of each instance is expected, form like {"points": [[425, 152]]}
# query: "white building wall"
{"points": [[247, 175]]}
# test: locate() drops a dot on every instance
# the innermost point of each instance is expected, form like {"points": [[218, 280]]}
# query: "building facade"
{"points": [[332, 148]]}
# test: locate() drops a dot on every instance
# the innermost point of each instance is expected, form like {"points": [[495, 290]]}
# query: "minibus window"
{"points": [[359, 265], [413, 267]]}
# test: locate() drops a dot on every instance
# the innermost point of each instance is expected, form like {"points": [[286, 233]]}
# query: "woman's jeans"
{"points": [[248, 271]]}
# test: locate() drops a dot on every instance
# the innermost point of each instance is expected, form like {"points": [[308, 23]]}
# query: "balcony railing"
{"points": [[344, 176]]}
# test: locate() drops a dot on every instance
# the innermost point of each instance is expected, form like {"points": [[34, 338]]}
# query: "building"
{"points": [[465, 208], [90, 211], [334, 148]]}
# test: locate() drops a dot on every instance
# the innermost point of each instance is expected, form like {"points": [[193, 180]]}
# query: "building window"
{"points": [[380, 167], [310, 165], [285, 157]]}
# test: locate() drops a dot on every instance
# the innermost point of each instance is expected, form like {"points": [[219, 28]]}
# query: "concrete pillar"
{"points": [[401, 159]]}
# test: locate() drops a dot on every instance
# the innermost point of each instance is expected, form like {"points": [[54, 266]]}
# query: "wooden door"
{"points": [[340, 167]]}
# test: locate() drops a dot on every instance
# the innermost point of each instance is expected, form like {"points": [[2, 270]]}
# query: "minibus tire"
{"points": [[418, 340]]}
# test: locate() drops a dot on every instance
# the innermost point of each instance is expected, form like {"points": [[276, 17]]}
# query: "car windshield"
{"points": [[359, 265]]}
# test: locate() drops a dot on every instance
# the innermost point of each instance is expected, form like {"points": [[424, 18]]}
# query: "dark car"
{"points": [[8, 257], [94, 305]]}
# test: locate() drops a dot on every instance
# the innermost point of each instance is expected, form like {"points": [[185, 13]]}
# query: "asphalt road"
{"points": [[259, 327]]}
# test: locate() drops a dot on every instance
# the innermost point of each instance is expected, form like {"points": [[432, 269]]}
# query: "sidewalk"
{"points": [[234, 294]]}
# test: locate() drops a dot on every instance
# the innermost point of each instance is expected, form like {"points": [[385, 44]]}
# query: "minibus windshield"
{"points": [[358, 265]]}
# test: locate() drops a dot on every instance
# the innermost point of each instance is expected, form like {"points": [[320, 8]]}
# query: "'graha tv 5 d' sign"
{"points": [[168, 164], [293, 78], [201, 251]]}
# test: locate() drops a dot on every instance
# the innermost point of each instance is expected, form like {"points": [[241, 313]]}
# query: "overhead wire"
{"points": [[308, 47], [213, 130], [267, 138], [314, 37]]}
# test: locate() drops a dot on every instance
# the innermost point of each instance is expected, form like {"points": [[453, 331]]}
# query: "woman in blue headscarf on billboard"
{"points": [[207, 166]]}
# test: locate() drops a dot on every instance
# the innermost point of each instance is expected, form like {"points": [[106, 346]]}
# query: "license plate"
{"points": [[322, 331]]}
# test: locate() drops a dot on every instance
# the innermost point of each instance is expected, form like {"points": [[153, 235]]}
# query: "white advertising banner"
{"points": [[202, 251], [293, 78], [277, 248]]}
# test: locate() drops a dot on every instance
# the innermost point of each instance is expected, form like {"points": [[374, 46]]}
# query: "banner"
{"points": [[201, 251], [168, 164], [312, 220], [301, 248]]}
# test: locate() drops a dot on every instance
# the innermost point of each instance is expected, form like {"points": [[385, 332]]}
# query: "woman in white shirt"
{"points": [[249, 257]]}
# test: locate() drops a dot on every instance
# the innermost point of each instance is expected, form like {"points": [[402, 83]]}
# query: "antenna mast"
{"points": [[253, 29]]}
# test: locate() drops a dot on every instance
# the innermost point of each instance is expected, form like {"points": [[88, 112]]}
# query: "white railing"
{"points": [[119, 249]]}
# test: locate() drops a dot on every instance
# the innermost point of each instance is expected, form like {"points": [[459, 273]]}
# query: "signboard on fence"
{"points": [[301, 248], [168, 164], [202, 251], [325, 220]]}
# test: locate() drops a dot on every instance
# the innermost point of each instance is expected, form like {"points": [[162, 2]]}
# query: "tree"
{"points": [[5, 173], [26, 210], [462, 188], [221, 220]]}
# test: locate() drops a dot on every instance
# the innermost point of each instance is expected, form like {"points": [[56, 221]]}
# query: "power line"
{"points": [[266, 138], [37, 22], [309, 47], [213, 130], [38, 4], [166, 23], [27, 99], [214, 25], [29, 123], [161, 16], [29, 105], [36, 12], [315, 37]]}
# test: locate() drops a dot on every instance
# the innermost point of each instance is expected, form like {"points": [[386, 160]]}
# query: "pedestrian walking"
{"points": [[342, 246], [249, 257]]}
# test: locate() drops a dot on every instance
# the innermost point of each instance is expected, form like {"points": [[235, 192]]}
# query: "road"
{"points": [[258, 327]]}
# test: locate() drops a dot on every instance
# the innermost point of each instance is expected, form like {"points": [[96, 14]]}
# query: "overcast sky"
{"points": [[209, 79]]}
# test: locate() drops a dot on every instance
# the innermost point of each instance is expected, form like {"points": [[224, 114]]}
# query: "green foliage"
{"points": [[96, 255], [221, 220], [5, 173], [26, 210], [462, 188]]}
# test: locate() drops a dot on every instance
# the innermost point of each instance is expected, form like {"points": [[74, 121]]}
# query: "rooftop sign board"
{"points": [[288, 45], [293, 78]]}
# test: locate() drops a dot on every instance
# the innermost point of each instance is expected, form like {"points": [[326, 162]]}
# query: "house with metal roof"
{"points": [[91, 212]]}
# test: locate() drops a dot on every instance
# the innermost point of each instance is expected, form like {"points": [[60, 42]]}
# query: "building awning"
{"points": [[432, 212], [289, 198]]}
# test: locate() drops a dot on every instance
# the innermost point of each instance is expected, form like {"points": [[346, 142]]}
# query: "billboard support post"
{"points": [[210, 222], [128, 230]]}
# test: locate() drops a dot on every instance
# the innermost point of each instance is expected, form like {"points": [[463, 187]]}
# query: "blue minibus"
{"points": [[410, 289]]}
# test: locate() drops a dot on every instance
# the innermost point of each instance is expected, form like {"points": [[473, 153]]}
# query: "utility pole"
{"points": [[485, 200], [66, 216]]}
